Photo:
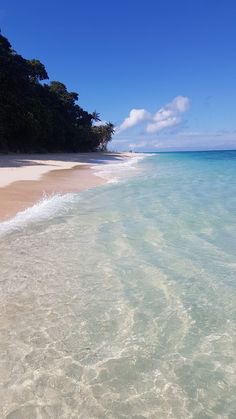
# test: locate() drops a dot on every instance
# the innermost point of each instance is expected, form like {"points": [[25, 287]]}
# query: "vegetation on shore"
{"points": [[41, 116]]}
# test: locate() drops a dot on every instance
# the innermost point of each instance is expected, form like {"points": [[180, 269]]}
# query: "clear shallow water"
{"points": [[120, 302]]}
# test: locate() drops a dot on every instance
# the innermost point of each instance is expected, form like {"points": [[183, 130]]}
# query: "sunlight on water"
{"points": [[123, 305]]}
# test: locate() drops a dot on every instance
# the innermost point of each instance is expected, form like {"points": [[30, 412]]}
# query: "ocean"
{"points": [[120, 301]]}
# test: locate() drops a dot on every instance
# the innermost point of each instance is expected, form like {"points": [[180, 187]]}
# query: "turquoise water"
{"points": [[120, 302]]}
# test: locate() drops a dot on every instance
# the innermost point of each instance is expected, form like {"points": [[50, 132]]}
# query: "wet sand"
{"points": [[51, 174]]}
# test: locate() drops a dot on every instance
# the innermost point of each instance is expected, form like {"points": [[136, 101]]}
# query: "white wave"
{"points": [[51, 205], [45, 209], [113, 172]]}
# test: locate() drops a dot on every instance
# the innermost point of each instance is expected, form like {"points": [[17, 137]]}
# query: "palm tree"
{"points": [[96, 116]]}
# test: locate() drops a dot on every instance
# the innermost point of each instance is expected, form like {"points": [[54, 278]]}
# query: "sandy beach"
{"points": [[24, 179]]}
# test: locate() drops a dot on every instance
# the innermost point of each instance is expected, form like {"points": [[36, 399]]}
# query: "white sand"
{"points": [[15, 168], [24, 179]]}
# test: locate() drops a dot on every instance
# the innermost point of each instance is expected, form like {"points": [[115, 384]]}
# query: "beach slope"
{"points": [[24, 179]]}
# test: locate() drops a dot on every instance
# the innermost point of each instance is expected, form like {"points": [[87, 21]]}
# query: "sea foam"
{"points": [[59, 204], [113, 172], [48, 207], [128, 301]]}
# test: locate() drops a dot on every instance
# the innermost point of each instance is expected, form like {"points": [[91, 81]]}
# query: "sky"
{"points": [[164, 72]]}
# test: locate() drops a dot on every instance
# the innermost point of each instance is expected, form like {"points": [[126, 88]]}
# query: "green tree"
{"points": [[37, 116]]}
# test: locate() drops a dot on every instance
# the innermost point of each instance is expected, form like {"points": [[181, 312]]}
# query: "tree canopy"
{"points": [[41, 116]]}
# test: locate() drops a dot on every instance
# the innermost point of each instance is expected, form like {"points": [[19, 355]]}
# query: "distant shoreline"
{"points": [[26, 178]]}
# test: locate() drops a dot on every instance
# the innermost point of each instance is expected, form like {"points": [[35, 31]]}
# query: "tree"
{"points": [[37, 71], [96, 116], [103, 134], [37, 116]]}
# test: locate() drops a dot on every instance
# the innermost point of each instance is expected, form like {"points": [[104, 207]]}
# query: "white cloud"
{"points": [[166, 122], [185, 140], [166, 117], [169, 115], [138, 145], [135, 117], [180, 103]]}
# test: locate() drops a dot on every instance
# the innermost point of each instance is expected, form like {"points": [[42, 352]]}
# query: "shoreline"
{"points": [[25, 179]]}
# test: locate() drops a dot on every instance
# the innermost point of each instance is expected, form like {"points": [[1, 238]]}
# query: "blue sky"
{"points": [[172, 64]]}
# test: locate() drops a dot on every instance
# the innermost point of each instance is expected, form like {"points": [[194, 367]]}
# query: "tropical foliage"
{"points": [[41, 116]]}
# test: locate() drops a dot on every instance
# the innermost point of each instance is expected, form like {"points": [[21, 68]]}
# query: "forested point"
{"points": [[38, 116]]}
